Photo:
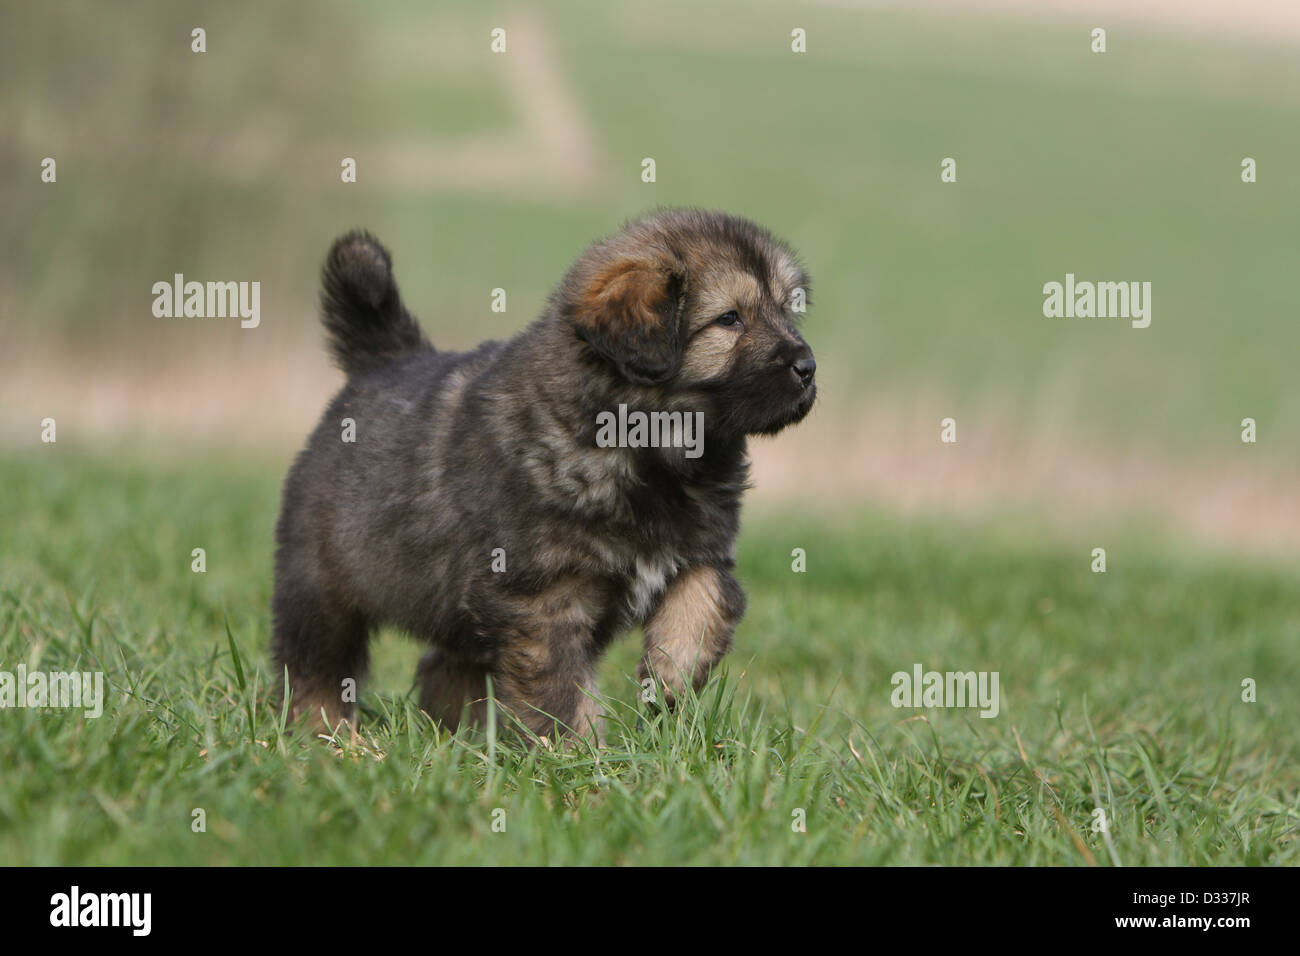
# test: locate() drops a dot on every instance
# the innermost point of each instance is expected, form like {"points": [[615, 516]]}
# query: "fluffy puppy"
{"points": [[474, 499]]}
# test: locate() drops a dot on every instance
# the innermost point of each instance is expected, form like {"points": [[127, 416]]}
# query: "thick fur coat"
{"points": [[476, 506]]}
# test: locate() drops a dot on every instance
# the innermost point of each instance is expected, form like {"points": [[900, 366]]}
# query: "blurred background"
{"points": [[484, 170]]}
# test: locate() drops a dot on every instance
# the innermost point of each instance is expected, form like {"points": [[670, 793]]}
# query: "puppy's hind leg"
{"points": [[554, 696], [447, 685], [325, 650]]}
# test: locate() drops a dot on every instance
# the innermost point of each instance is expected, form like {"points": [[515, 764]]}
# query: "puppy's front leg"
{"points": [[690, 629]]}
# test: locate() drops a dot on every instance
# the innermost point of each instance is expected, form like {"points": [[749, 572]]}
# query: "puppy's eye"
{"points": [[729, 319]]}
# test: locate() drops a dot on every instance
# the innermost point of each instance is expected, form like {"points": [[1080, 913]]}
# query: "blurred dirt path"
{"points": [[1237, 496], [1273, 20], [263, 402]]}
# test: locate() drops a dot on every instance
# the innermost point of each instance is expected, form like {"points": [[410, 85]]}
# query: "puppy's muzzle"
{"points": [[804, 366]]}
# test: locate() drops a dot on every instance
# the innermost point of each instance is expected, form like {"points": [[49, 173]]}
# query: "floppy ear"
{"points": [[627, 313]]}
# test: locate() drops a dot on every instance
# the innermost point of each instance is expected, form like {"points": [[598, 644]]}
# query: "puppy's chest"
{"points": [[647, 568], [647, 582]]}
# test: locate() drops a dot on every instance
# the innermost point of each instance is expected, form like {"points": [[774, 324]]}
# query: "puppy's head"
{"points": [[698, 309]]}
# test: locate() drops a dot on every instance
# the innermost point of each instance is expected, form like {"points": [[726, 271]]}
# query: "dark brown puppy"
{"points": [[477, 506]]}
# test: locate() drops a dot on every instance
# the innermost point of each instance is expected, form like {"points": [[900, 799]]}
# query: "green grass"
{"points": [[1119, 691]]}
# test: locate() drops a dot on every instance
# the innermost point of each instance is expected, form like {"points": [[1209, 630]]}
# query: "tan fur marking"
{"points": [[590, 717], [627, 291], [724, 290], [785, 277], [708, 355], [308, 707], [688, 633]]}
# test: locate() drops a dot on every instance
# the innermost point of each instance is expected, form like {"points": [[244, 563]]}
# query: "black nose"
{"points": [[804, 366]]}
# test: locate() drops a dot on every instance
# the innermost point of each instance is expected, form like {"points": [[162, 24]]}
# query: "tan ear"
{"points": [[627, 313]]}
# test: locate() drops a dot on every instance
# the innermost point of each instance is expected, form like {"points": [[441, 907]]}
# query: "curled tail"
{"points": [[361, 309]]}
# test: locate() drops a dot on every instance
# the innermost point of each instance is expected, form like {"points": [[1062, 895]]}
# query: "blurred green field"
{"points": [[1118, 690], [1121, 166]]}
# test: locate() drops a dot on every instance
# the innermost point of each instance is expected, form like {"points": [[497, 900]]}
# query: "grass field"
{"points": [[1119, 690]]}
